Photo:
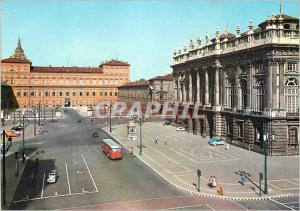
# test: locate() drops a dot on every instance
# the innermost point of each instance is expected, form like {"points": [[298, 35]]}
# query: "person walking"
{"points": [[243, 179], [214, 182], [210, 182], [156, 140], [221, 190]]}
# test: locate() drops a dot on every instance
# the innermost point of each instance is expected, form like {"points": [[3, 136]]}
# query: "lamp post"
{"points": [[39, 114], [265, 141], [34, 113], [23, 142], [110, 129], [141, 142], [3, 173]]}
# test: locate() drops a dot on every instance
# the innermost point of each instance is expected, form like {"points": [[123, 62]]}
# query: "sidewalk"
{"points": [[177, 156], [13, 179]]}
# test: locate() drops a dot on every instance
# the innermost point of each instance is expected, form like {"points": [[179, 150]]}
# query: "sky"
{"points": [[143, 33]]}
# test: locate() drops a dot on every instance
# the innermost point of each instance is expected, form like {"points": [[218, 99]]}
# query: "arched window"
{"points": [[291, 92], [244, 101], [230, 90], [260, 94]]}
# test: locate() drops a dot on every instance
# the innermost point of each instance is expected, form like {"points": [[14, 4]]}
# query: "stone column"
{"points": [[250, 87], [268, 86], [184, 92], [190, 87], [281, 104], [224, 93], [198, 84], [217, 87], [236, 85], [206, 87], [175, 90]]}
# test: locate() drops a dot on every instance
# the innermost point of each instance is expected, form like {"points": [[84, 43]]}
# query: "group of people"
{"points": [[212, 182]]}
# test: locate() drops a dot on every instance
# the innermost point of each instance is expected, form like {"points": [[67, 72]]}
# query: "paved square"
{"points": [[178, 155]]}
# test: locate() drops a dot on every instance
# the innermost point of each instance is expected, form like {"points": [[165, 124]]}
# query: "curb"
{"points": [[204, 194]]}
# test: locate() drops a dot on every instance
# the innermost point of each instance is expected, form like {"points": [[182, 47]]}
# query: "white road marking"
{"points": [[89, 172], [163, 155], [197, 205], [54, 196], [184, 155], [281, 204], [43, 186], [210, 207], [68, 178]]}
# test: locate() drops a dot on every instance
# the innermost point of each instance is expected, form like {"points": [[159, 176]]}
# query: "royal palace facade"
{"points": [[61, 86], [247, 85]]}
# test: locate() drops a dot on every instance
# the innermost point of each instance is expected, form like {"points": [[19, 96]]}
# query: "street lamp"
{"points": [[265, 141], [34, 113], [23, 142], [3, 172], [141, 142], [39, 114]]}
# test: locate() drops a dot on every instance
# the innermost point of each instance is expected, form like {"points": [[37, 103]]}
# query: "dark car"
{"points": [[167, 123], [16, 128], [79, 120], [95, 134]]}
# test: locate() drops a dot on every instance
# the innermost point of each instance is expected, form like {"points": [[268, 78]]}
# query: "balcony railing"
{"points": [[268, 36]]}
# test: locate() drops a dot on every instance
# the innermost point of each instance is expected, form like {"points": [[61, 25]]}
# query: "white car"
{"points": [[52, 177], [180, 129]]}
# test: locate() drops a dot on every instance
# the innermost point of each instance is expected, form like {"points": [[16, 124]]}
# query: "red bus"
{"points": [[112, 149]]}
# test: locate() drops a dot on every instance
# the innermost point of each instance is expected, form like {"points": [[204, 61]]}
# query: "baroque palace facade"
{"points": [[61, 86], [247, 85]]}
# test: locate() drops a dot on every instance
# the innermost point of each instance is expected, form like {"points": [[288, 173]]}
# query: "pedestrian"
{"points": [[243, 179], [221, 190], [156, 140], [214, 182], [210, 181], [131, 152]]}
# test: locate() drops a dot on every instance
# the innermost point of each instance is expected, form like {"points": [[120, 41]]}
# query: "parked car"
{"points": [[179, 129], [16, 128], [167, 123], [216, 141], [13, 133], [79, 120], [52, 177], [95, 134]]}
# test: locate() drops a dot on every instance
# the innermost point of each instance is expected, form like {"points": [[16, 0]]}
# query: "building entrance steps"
{"points": [[178, 160]]}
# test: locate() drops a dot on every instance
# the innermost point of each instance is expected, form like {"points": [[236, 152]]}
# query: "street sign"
{"points": [[199, 172]]}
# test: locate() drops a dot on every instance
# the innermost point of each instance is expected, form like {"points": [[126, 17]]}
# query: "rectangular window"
{"points": [[240, 130], [46, 94], [25, 94], [32, 93], [53, 93], [292, 67], [116, 93], [105, 93], [67, 93], [80, 93], [60, 93], [74, 93], [94, 93], [87, 93], [18, 93], [100, 93], [110, 94], [40, 93]]}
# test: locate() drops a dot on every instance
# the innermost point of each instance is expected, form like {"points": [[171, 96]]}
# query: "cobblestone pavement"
{"points": [[178, 155]]}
